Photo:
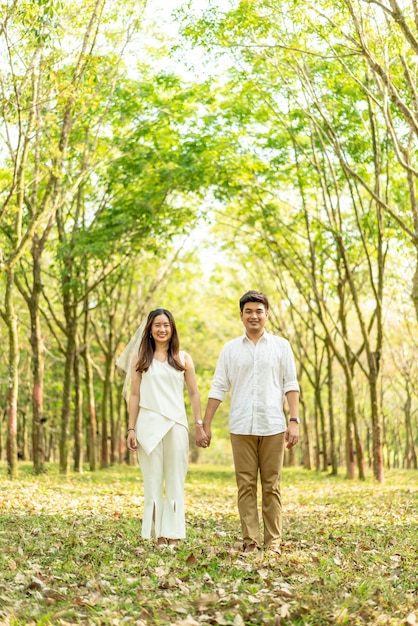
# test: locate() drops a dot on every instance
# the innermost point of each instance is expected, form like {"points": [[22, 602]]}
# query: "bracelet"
{"points": [[129, 430]]}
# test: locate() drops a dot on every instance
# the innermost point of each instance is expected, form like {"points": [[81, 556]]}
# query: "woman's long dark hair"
{"points": [[147, 345]]}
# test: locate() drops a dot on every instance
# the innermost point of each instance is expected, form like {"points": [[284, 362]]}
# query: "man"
{"points": [[259, 369]]}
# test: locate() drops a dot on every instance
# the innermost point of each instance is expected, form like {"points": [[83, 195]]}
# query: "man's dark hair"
{"points": [[253, 296]]}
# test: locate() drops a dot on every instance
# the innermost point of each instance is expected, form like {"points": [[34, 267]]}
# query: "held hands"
{"points": [[292, 435], [202, 437]]}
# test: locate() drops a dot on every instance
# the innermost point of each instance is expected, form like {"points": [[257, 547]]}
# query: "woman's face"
{"points": [[161, 329]]}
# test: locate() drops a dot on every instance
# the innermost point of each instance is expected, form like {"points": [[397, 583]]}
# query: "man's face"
{"points": [[254, 317]]}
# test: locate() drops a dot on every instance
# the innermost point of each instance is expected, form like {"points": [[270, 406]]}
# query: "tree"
{"points": [[319, 141], [42, 91]]}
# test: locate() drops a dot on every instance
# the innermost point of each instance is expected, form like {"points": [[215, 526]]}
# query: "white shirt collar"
{"points": [[265, 335]]}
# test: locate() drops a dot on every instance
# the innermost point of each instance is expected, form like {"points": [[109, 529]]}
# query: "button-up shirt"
{"points": [[258, 375]]}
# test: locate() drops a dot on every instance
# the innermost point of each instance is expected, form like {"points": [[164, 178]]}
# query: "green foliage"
{"points": [[262, 144], [71, 550], [312, 202]]}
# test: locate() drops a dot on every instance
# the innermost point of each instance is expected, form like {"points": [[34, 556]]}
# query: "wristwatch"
{"points": [[294, 419], [198, 422]]}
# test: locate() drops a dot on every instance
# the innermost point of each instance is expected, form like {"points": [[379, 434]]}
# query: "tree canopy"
{"points": [[272, 146]]}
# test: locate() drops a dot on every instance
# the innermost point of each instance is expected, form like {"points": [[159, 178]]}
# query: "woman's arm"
{"points": [[133, 408], [194, 395]]}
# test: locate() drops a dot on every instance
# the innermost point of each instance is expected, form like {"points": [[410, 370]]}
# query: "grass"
{"points": [[71, 553]]}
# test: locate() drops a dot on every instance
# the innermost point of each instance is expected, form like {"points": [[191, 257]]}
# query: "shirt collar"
{"points": [[264, 336]]}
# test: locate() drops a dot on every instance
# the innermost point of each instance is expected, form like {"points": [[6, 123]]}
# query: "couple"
{"points": [[259, 369]]}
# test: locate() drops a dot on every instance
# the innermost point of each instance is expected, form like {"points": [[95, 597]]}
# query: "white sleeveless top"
{"points": [[161, 403]]}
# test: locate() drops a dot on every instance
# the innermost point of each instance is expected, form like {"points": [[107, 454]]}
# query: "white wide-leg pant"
{"points": [[165, 466]]}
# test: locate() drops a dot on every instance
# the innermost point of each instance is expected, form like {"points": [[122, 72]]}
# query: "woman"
{"points": [[159, 432]]}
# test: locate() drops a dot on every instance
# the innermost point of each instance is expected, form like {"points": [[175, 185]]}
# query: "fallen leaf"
{"points": [[253, 599], [263, 573], [411, 620], [53, 596], [189, 621], [207, 578], [145, 614], [161, 571], [36, 583], [191, 560], [205, 600], [179, 608], [167, 582], [64, 613]]}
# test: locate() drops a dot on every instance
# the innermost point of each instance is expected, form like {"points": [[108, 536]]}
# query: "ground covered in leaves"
{"points": [[71, 553]]}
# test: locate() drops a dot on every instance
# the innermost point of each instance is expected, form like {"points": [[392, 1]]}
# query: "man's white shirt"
{"points": [[258, 377]]}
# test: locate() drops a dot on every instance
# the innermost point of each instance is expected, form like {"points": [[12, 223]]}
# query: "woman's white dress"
{"points": [[162, 434]]}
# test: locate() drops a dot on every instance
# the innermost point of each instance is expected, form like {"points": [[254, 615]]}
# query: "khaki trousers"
{"points": [[251, 454]]}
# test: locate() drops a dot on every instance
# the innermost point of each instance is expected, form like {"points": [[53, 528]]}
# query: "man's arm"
{"points": [[220, 386], [292, 431], [211, 407]]}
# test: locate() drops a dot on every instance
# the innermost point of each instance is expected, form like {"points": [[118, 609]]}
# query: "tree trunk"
{"points": [[410, 450], [2, 413], [323, 435], [306, 440], [349, 440], [107, 404], [395, 460], [91, 411], [37, 346], [66, 404], [13, 377], [359, 450], [23, 448], [334, 460], [78, 413], [291, 457], [104, 462], [317, 438], [376, 416], [114, 422], [414, 294], [386, 443]]}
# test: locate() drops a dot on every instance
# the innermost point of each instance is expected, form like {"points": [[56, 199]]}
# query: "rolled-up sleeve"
{"points": [[290, 381], [258, 376], [221, 383]]}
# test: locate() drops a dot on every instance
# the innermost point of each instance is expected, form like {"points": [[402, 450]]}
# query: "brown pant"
{"points": [[252, 453]]}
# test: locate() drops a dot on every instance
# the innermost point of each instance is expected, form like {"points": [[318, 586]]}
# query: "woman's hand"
{"points": [[131, 441], [202, 440]]}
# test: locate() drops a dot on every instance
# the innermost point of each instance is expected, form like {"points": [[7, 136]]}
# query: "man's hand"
{"points": [[202, 440], [292, 435], [208, 432]]}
